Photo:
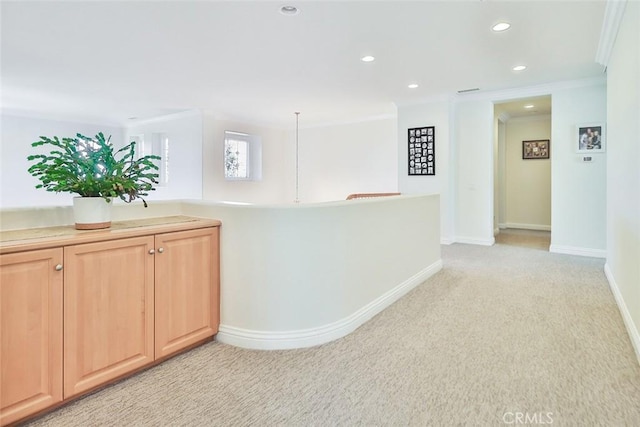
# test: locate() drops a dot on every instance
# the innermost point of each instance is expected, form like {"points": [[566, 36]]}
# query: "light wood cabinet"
{"points": [[187, 289], [108, 311], [31, 331], [81, 309]]}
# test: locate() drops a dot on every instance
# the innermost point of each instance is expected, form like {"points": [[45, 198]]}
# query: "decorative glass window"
{"points": [[242, 156], [160, 147]]}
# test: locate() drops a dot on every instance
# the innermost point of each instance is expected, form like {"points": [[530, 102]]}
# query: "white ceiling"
{"points": [[110, 60]]}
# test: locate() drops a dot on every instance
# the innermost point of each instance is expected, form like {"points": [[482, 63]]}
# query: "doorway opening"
{"points": [[522, 172]]}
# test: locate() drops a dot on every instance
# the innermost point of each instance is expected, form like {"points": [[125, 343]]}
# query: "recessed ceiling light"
{"points": [[413, 86], [519, 68], [501, 26], [289, 10], [528, 106], [368, 58]]}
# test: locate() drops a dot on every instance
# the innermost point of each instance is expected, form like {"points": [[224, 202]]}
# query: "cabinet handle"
{"points": [[59, 267], [152, 251], [161, 249]]}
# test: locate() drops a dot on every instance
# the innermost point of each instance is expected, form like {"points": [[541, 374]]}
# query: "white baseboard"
{"points": [[572, 250], [632, 330], [282, 340], [476, 241], [539, 227], [446, 241]]}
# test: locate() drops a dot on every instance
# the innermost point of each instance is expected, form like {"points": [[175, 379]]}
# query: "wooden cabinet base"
{"points": [[52, 407], [187, 289], [79, 311], [115, 304], [31, 332]]}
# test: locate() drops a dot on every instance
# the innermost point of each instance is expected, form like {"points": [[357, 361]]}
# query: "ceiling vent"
{"points": [[468, 90]]}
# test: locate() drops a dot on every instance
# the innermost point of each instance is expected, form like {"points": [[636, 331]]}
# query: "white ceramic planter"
{"points": [[91, 213]]}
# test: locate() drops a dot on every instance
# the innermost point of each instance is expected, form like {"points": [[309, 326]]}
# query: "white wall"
{"points": [[334, 161], [578, 197], [276, 164], [469, 124], [339, 160], [474, 128], [184, 131], [527, 182], [623, 171], [297, 275], [431, 114], [17, 186]]}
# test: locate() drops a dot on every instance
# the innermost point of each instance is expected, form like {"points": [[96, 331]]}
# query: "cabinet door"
{"points": [[187, 288], [31, 331], [108, 311]]}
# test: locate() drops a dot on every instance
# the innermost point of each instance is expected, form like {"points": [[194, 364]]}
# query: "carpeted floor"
{"points": [[501, 334], [534, 239]]}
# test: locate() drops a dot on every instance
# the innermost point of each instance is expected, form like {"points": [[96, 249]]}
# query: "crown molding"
{"points": [[217, 115], [386, 116], [165, 118], [59, 117], [531, 91], [511, 93], [611, 23]]}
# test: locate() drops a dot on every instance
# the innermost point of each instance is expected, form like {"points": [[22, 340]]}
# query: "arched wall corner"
{"points": [[262, 340], [301, 275]]}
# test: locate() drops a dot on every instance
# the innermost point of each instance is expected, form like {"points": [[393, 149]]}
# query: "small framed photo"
{"points": [[590, 138], [535, 149]]}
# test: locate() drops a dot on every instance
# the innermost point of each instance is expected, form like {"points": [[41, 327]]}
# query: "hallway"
{"points": [[534, 239]]}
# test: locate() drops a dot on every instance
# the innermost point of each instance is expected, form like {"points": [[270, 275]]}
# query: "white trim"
{"points": [[476, 241], [244, 120], [281, 340], [508, 94], [611, 23], [572, 250], [164, 118], [539, 227], [532, 91], [278, 125], [61, 117], [386, 116], [447, 241], [632, 330]]}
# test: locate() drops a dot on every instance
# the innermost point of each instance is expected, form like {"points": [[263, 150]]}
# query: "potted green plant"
{"points": [[91, 168]]}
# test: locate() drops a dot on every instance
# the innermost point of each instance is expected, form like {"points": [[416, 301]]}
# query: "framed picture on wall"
{"points": [[536, 149], [422, 150], [590, 138]]}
